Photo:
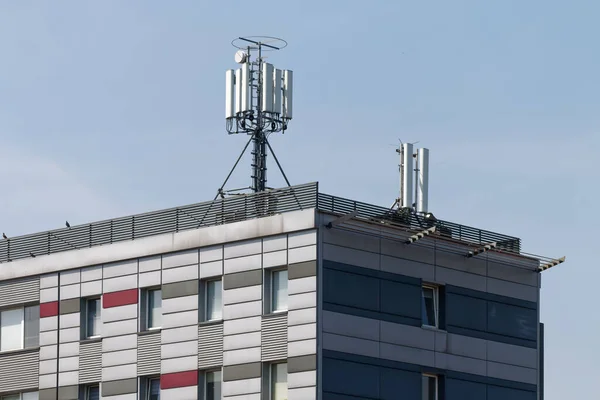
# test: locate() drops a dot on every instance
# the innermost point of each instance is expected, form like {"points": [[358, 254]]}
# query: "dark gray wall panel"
{"points": [[341, 288], [504, 319], [466, 312], [504, 393], [400, 299], [68, 392], [302, 270], [242, 371], [302, 363], [122, 386], [350, 378], [242, 279], [180, 289], [48, 394], [70, 306], [457, 389], [392, 382]]}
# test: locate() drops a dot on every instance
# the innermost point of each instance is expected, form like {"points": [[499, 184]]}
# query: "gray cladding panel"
{"points": [[148, 354], [90, 362], [242, 371], [68, 392], [302, 270], [47, 394], [19, 371], [242, 279], [20, 291], [180, 289], [70, 306], [302, 363], [122, 386], [274, 337], [210, 346]]}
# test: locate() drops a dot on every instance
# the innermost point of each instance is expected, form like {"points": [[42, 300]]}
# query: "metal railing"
{"points": [[224, 211]]}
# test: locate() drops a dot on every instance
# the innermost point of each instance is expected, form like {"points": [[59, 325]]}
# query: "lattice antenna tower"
{"points": [[258, 102]]}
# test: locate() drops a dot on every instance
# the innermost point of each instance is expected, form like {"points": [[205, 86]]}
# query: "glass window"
{"points": [[11, 397], [429, 306], [30, 396], [279, 290], [154, 309], [11, 329], [93, 315], [279, 381], [213, 385], [214, 308], [153, 389], [32, 328], [429, 387], [92, 393]]}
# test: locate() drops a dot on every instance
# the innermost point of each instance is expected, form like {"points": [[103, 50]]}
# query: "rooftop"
{"points": [[240, 208]]}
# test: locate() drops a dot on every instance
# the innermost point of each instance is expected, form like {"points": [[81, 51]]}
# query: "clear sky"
{"points": [[110, 108]]}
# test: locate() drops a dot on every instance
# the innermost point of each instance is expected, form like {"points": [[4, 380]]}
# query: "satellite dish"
{"points": [[240, 56]]}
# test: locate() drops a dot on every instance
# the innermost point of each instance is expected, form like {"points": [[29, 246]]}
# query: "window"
{"points": [[93, 318], [19, 328], [91, 393], [154, 309], [279, 381], [429, 307], [429, 387], [214, 300], [153, 389], [212, 390], [21, 396], [279, 290]]}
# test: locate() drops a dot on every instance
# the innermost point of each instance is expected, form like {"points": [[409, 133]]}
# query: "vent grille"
{"points": [[210, 346], [90, 362], [149, 354], [274, 332]]}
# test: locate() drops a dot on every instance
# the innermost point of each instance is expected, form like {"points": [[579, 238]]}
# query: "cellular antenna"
{"points": [[258, 102]]}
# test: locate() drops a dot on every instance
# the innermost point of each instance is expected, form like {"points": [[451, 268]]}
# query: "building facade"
{"points": [[258, 298]]}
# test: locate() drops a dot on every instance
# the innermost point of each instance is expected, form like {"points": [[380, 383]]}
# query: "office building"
{"points": [[285, 294]]}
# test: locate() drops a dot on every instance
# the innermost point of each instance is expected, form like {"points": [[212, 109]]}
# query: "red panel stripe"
{"points": [[49, 309], [179, 379], [122, 298]]}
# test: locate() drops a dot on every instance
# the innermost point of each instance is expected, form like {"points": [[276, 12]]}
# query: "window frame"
{"points": [[148, 386], [271, 382], [272, 273], [205, 385], [205, 295], [87, 335], [436, 305], [149, 308], [437, 386], [88, 388]]}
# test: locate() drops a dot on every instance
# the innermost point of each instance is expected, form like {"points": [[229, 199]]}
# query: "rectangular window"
{"points": [[429, 306], [429, 387], [213, 385], [214, 300], [279, 381], [154, 309], [92, 393], [93, 318], [30, 396], [153, 389], [11, 329], [12, 397], [279, 290], [32, 329]]}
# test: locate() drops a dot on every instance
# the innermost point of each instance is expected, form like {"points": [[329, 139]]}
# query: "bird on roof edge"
{"points": [[4, 235], [67, 224]]}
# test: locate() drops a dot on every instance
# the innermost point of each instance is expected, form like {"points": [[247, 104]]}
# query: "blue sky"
{"points": [[111, 108]]}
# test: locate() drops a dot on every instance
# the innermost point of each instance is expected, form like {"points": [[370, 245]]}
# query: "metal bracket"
{"points": [[341, 219], [420, 235], [480, 250], [552, 263]]}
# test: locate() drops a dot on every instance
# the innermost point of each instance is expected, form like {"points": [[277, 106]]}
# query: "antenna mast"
{"points": [[258, 102]]}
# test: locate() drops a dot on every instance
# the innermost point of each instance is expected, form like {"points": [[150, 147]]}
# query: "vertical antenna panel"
{"points": [[423, 180], [277, 91], [267, 87], [407, 175], [238, 90], [288, 91], [229, 94], [245, 87]]}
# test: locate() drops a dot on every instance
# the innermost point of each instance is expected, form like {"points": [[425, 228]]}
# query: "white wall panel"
{"points": [[70, 277], [301, 254], [119, 358], [119, 328], [240, 249], [48, 338], [302, 348], [242, 295], [69, 335], [299, 317], [49, 352], [47, 381], [181, 258], [120, 313], [48, 295], [180, 274], [178, 364], [233, 357], [301, 239], [213, 253], [308, 393], [69, 349], [210, 269], [175, 320], [302, 285], [176, 350], [91, 273], [303, 300], [148, 264], [148, 279], [183, 393], [241, 264], [275, 259], [119, 372], [178, 304], [274, 243], [302, 379], [120, 268], [48, 280], [119, 343], [48, 367], [70, 320], [242, 325], [68, 364], [302, 332], [70, 291], [242, 386], [48, 324], [242, 310], [241, 341], [92, 288], [183, 334], [120, 283], [68, 378]]}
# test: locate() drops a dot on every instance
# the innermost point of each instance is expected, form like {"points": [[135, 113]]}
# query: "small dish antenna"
{"points": [[241, 56]]}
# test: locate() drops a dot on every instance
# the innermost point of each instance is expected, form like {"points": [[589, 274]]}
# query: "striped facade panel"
{"points": [[20, 291], [19, 371], [90, 362], [148, 354], [210, 346], [274, 332]]}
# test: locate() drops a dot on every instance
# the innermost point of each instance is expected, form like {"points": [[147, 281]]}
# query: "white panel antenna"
{"points": [[267, 87], [278, 92], [406, 172], [258, 102], [229, 94], [422, 180], [288, 91]]}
